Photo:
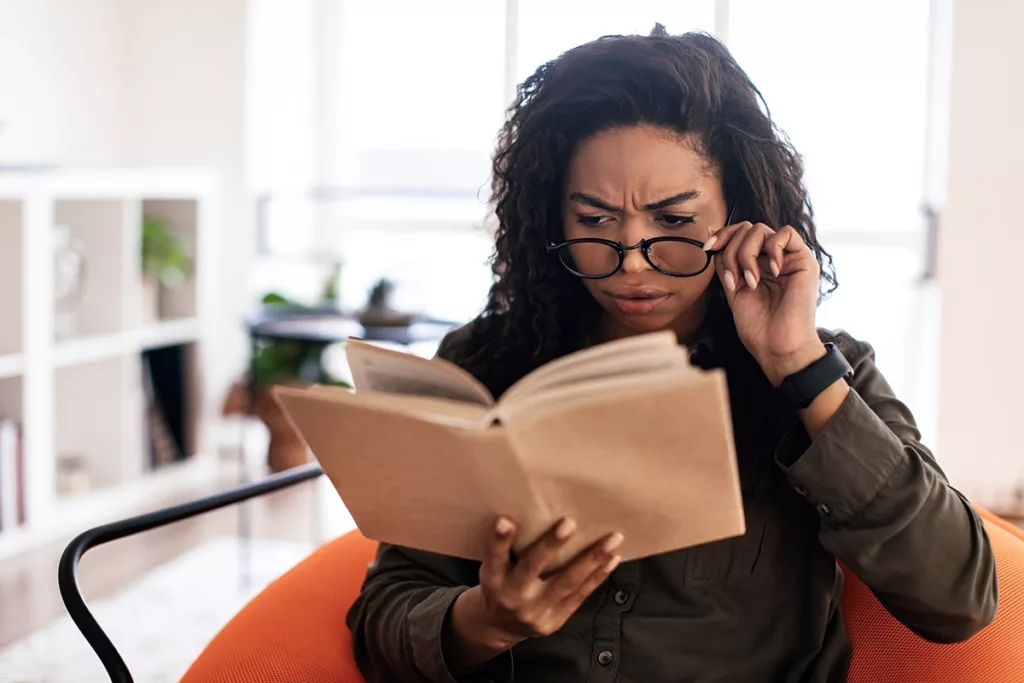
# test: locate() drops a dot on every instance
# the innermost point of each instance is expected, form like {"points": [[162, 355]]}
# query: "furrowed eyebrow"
{"points": [[593, 201], [672, 201], [597, 203]]}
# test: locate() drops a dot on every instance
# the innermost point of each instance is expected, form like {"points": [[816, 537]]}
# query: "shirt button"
{"points": [[802, 491], [824, 510], [621, 597], [605, 658]]}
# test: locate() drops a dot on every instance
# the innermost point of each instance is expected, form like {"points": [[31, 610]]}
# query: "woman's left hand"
{"points": [[771, 282]]}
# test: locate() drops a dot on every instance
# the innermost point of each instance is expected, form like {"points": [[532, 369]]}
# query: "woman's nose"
{"points": [[633, 235]]}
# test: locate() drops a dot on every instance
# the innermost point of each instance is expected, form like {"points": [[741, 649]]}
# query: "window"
{"points": [[421, 94], [408, 97], [548, 28], [848, 83]]}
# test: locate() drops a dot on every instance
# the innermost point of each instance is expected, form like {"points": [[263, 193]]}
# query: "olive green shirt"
{"points": [[763, 607]]}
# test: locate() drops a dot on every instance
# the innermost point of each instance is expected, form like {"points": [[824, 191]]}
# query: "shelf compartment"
{"points": [[170, 391], [96, 233], [13, 482], [181, 217], [98, 425], [11, 274]]}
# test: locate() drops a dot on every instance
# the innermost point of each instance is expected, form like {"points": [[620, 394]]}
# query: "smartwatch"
{"points": [[802, 387]]}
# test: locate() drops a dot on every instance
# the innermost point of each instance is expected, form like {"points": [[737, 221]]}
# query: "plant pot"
{"points": [[286, 449], [150, 300], [179, 301]]}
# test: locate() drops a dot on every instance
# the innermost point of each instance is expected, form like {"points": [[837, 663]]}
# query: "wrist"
{"points": [[470, 641], [778, 367]]}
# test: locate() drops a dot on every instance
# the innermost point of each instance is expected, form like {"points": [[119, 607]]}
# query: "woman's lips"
{"points": [[637, 300]]}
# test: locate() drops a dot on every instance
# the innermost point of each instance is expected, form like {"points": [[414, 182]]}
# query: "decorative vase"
{"points": [[68, 282]]}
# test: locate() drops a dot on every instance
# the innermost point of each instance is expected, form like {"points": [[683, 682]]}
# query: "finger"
{"points": [[785, 244], [749, 250], [590, 584], [540, 554], [498, 557], [719, 237], [725, 262], [572, 577]]}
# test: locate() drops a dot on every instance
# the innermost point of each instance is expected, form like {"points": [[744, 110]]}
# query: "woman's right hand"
{"points": [[515, 601]]}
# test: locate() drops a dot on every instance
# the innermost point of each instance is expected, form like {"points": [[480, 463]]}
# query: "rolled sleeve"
{"points": [[399, 618], [426, 624], [888, 512], [843, 471]]}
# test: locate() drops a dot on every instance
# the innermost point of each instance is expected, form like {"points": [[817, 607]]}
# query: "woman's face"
{"points": [[629, 184]]}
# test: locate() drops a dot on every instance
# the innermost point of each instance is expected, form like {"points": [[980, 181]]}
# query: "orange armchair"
{"points": [[295, 629]]}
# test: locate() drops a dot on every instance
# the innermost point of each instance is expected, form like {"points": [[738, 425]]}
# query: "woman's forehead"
{"points": [[639, 159]]}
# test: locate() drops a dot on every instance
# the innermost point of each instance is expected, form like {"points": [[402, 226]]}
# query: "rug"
{"points": [[161, 622]]}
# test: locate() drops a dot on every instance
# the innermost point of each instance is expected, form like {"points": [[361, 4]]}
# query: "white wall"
{"points": [[61, 81], [981, 247], [138, 83], [185, 105]]}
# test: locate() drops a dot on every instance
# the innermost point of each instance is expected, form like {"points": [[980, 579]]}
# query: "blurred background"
{"points": [[174, 175]]}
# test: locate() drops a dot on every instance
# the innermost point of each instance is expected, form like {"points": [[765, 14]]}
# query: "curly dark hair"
{"points": [[690, 84]]}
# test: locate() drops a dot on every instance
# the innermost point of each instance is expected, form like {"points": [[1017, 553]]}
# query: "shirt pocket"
{"points": [[758, 558]]}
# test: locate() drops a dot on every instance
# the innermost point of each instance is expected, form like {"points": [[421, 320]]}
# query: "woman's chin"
{"points": [[642, 323]]}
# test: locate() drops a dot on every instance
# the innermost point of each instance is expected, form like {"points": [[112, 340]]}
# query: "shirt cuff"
{"points": [[426, 622], [846, 468]]}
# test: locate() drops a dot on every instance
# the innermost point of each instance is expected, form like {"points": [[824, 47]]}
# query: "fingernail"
{"points": [[729, 281], [613, 542], [712, 241], [775, 268], [612, 564], [751, 280], [565, 529], [504, 526]]}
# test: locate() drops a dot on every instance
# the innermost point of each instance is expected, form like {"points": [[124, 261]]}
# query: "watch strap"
{"points": [[802, 387]]}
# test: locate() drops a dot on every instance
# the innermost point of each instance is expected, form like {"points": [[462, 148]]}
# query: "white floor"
{"points": [[160, 623]]}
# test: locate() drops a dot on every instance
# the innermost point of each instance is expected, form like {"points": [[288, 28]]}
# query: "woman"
{"points": [[609, 150]]}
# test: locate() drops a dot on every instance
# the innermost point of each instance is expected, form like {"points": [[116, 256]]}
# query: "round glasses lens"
{"points": [[592, 259], [678, 258]]}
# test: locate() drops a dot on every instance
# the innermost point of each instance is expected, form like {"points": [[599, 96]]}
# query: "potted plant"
{"points": [[379, 312], [284, 362], [165, 264]]}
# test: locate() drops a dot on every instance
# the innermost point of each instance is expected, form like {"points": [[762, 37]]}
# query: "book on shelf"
{"points": [[624, 436], [12, 475]]}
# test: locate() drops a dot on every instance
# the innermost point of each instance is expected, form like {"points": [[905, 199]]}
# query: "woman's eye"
{"points": [[591, 220], [670, 219]]}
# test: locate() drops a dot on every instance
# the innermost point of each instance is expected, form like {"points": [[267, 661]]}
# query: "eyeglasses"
{"points": [[595, 258]]}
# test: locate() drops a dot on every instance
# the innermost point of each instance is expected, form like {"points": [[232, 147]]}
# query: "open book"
{"points": [[624, 436]]}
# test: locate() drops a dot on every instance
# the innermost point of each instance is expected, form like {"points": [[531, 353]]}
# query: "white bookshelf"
{"points": [[83, 394]]}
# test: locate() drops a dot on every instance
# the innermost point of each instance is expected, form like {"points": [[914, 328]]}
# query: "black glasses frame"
{"points": [[643, 245]]}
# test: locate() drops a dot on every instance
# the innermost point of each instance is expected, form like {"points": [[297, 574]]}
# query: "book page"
{"points": [[555, 398], [431, 408], [410, 481], [656, 462], [383, 370], [633, 355]]}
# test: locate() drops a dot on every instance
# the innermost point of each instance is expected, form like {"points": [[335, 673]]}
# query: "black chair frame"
{"points": [[67, 572]]}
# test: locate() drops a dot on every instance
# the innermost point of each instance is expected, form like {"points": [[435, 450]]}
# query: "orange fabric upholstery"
{"points": [[885, 650], [294, 631]]}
